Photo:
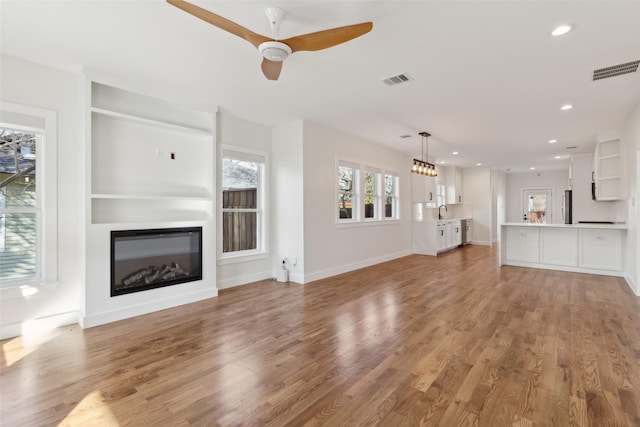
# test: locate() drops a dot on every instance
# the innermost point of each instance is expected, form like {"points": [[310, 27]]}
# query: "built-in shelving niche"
{"points": [[151, 160]]}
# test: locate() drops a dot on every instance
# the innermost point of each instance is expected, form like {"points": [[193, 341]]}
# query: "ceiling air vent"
{"points": [[405, 136], [396, 80], [616, 70]]}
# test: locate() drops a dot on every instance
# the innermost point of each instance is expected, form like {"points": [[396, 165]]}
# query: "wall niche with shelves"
{"points": [[151, 159]]}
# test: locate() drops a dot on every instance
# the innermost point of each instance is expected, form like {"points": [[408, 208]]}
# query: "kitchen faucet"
{"points": [[439, 211]]}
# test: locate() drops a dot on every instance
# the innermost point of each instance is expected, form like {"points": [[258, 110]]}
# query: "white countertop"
{"points": [[597, 226]]}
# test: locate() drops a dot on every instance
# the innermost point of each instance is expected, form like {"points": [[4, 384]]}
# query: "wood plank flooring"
{"points": [[447, 341]]}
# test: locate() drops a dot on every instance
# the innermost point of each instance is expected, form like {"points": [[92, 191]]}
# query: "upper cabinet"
{"points": [[607, 174], [423, 189], [453, 178]]}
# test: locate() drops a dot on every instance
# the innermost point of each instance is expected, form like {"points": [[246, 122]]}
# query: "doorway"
{"points": [[537, 206]]}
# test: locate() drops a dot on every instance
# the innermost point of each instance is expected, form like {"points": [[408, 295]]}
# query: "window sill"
{"points": [[375, 223], [235, 259], [27, 290]]}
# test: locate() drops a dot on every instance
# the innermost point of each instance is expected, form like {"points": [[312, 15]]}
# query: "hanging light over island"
{"points": [[422, 166]]}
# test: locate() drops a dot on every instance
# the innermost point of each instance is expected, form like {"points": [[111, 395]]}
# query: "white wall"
{"points": [[43, 87], [631, 156], [498, 202], [332, 249], [477, 202], [557, 180], [235, 131], [287, 197]]}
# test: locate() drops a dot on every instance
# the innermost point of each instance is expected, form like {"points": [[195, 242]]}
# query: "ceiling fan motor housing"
{"points": [[274, 51]]}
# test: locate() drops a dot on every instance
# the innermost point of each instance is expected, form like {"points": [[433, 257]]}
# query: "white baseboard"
{"points": [[632, 284], [43, 323], [349, 267], [481, 242], [139, 309], [244, 279]]}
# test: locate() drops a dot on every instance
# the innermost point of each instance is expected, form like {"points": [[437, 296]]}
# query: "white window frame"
{"points": [[395, 197], [44, 124], [377, 196], [359, 196], [261, 250], [355, 192]]}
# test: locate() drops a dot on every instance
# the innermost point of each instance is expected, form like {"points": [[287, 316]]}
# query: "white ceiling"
{"points": [[489, 79]]}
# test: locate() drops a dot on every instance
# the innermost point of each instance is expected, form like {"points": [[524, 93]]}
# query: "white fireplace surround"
{"points": [[150, 165]]}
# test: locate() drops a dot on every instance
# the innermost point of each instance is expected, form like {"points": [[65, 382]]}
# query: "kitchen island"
{"points": [[582, 248]]}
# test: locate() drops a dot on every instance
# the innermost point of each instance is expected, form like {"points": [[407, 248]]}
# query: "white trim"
{"points": [[368, 223], [333, 271], [238, 257], [632, 285], [145, 308], [12, 330]]}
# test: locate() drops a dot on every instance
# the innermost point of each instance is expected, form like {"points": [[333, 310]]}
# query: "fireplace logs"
{"points": [[153, 274]]}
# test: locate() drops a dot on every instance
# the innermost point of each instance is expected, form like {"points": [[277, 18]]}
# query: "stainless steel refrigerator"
{"points": [[567, 208]]}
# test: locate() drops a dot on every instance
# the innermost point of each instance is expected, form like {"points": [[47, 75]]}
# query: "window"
{"points": [[366, 193], [243, 195], [348, 197], [441, 193], [372, 194], [28, 199], [391, 196], [20, 209]]}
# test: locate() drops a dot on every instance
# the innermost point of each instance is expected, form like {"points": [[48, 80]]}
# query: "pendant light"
{"points": [[422, 166]]}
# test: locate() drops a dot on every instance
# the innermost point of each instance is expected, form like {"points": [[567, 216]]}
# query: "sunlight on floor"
{"points": [[91, 411], [34, 334]]}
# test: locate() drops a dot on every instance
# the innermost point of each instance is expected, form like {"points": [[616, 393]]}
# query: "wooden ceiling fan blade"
{"points": [[327, 38], [271, 69], [220, 22]]}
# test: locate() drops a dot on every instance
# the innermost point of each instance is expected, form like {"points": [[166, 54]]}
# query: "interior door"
{"points": [[537, 206]]}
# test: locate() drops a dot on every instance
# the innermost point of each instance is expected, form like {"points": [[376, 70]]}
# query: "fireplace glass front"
{"points": [[148, 259]]}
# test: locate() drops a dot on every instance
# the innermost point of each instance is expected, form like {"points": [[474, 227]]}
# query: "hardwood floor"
{"points": [[449, 341]]}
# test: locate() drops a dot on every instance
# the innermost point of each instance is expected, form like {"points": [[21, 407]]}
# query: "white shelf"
{"points": [[151, 122], [159, 197]]}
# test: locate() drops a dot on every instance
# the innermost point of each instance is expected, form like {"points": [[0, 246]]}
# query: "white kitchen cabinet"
{"points": [[607, 165], [600, 249], [423, 189], [442, 235], [523, 244], [559, 246], [453, 179], [425, 241], [455, 234]]}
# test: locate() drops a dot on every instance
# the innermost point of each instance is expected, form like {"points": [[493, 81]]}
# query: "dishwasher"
{"points": [[467, 231]]}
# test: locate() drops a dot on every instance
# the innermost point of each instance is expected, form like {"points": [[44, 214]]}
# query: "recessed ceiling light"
{"points": [[566, 107], [557, 157], [478, 164], [454, 153], [553, 141], [442, 162], [562, 29], [532, 168]]}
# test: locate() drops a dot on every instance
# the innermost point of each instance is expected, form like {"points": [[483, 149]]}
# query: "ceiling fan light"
{"points": [[274, 51]]}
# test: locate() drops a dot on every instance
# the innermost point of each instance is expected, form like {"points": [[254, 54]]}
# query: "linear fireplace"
{"points": [[148, 259]]}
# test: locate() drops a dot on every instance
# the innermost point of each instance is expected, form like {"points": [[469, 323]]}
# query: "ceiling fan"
{"points": [[275, 51]]}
